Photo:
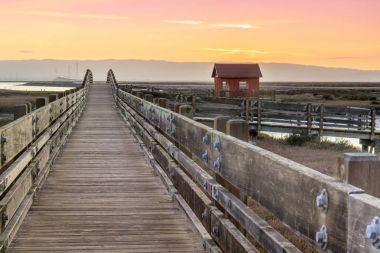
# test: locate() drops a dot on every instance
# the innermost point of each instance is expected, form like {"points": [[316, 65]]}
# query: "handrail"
{"points": [[29, 146], [273, 116], [288, 189]]}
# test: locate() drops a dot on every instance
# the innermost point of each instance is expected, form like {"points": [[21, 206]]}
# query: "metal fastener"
{"points": [[217, 143], [373, 232], [204, 214], [3, 139], [205, 139], [321, 237], [322, 200], [217, 163], [215, 193], [205, 156], [4, 157], [205, 184], [215, 229], [5, 217]]}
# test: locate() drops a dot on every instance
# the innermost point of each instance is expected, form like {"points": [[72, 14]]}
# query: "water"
{"points": [[353, 141], [20, 86]]}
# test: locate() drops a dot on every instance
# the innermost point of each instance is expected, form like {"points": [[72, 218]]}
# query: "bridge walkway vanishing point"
{"points": [[102, 196]]}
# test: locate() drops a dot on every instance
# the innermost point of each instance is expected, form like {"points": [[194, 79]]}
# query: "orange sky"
{"points": [[338, 33]]}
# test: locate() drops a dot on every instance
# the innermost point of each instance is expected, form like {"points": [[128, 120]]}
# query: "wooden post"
{"points": [[40, 102], [148, 97], [162, 102], [140, 94], [220, 123], [321, 116], [52, 97], [258, 114], [19, 111], [309, 119], [373, 123], [363, 170], [238, 128], [186, 110]]}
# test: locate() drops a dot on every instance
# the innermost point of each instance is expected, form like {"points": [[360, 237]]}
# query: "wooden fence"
{"points": [[28, 148]]}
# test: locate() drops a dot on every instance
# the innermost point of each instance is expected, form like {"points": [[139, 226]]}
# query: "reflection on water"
{"points": [[18, 86]]}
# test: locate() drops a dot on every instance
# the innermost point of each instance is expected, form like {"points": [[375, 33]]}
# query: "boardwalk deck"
{"points": [[102, 196]]}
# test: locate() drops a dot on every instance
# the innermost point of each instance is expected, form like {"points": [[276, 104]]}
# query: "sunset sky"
{"points": [[337, 33]]}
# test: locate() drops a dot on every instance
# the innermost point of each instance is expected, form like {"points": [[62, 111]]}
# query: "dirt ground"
{"points": [[322, 160]]}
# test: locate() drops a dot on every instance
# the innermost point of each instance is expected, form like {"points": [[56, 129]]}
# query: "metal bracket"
{"points": [[3, 138], [215, 193], [217, 143], [205, 156], [205, 139], [373, 232], [321, 237], [204, 214], [322, 200], [217, 163], [215, 229]]}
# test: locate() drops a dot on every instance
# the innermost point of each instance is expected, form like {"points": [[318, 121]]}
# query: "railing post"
{"points": [[186, 110], [373, 123], [362, 170], [238, 128], [258, 114], [309, 119], [220, 123], [321, 116]]}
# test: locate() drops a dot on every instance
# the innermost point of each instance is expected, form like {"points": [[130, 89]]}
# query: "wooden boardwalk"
{"points": [[102, 196]]}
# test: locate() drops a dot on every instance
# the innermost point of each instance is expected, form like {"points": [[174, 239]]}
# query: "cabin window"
{"points": [[243, 85], [225, 86]]}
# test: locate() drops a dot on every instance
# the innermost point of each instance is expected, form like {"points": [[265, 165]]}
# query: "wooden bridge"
{"points": [[102, 170], [272, 116]]}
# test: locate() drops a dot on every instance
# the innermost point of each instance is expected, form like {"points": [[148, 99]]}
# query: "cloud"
{"points": [[74, 15], [24, 51], [234, 50], [240, 26], [184, 22]]}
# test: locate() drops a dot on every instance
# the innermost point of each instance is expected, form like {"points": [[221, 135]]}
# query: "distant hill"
{"points": [[139, 70]]}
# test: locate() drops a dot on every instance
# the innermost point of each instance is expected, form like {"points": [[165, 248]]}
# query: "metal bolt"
{"points": [[205, 184], [204, 214], [205, 156], [217, 143], [322, 200], [321, 237], [215, 193], [3, 139], [5, 217], [204, 245], [373, 229], [205, 139], [215, 229], [217, 163], [4, 157]]}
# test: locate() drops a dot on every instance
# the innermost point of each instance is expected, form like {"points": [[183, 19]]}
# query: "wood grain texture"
{"points": [[102, 196]]}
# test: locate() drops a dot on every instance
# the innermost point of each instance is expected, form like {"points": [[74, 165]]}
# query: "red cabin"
{"points": [[237, 80]]}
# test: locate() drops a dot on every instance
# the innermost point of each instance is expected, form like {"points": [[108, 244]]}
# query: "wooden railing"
{"points": [[316, 205], [28, 148]]}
